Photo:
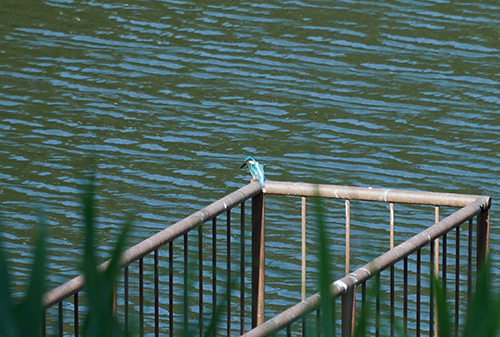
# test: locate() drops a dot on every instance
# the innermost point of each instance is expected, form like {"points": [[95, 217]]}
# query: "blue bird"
{"points": [[256, 170]]}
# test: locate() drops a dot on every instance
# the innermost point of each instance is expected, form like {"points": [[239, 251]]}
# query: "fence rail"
{"points": [[470, 206]]}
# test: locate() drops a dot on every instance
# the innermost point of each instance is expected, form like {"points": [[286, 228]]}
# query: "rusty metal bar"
{"points": [[392, 314], [125, 297], [304, 247], [228, 271], [171, 288], [432, 275], [114, 299], [469, 262], [369, 194], [76, 313], [258, 256], [348, 308], [60, 318], [185, 285], [214, 267], [405, 293], [418, 292], [379, 264], [445, 261], [157, 294], [347, 236], [377, 308], [242, 270], [200, 279], [457, 279], [391, 225], [141, 297], [303, 215], [391, 245], [483, 236], [436, 275], [436, 245]]}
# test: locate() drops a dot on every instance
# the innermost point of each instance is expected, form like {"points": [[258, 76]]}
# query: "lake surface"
{"points": [[169, 97]]}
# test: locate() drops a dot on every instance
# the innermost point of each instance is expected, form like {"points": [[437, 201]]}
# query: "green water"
{"points": [[170, 97]]}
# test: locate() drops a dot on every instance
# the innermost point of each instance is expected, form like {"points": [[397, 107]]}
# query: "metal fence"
{"points": [[346, 288], [208, 256]]}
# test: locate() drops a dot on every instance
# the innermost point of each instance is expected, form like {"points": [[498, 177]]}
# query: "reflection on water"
{"points": [[171, 96]]}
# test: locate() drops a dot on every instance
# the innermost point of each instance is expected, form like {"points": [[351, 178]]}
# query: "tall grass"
{"points": [[24, 317]]}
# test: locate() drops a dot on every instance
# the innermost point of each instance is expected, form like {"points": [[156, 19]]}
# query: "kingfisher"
{"points": [[256, 170]]}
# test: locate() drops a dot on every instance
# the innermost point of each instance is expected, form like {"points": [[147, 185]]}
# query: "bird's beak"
{"points": [[242, 166]]}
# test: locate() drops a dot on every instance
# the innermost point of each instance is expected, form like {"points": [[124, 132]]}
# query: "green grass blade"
{"points": [[445, 328], [483, 314], [114, 266], [32, 312], [220, 309], [7, 326], [326, 327], [100, 320]]}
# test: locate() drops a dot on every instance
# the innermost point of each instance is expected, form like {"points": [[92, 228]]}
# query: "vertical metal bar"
{"points": [[418, 291], [77, 319], [304, 247], [348, 312], [228, 277], [288, 331], [436, 244], [432, 304], [436, 269], [405, 294], [185, 286], [242, 270], [347, 236], [469, 262], [392, 316], [363, 297], [483, 237], [214, 268], [157, 295], [304, 257], [200, 279], [125, 296], [444, 260], [171, 288], [141, 297], [258, 256], [457, 279], [114, 300], [377, 307], [60, 319], [391, 208]]}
